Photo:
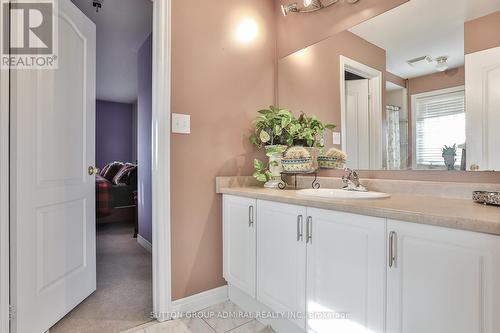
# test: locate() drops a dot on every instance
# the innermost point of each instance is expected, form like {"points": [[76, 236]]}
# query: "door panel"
{"points": [[281, 258], [53, 198], [346, 272], [443, 280], [482, 79], [64, 104], [240, 243], [358, 124], [59, 257]]}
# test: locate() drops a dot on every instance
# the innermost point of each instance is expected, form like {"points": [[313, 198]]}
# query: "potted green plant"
{"points": [[308, 131], [271, 132], [449, 155], [271, 127]]}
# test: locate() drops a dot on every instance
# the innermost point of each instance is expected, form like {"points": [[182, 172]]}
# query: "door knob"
{"points": [[93, 170]]}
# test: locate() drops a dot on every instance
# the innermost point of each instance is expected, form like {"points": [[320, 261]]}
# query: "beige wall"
{"points": [[395, 79], [297, 31], [482, 33], [221, 84], [436, 81], [309, 80]]}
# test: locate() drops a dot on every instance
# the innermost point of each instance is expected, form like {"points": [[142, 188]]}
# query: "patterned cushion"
{"points": [[112, 170], [103, 170], [123, 175], [132, 177]]}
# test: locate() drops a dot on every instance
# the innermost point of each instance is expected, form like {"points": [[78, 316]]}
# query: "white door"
{"points": [[52, 195], [346, 273], [240, 242], [281, 258], [482, 82], [442, 280], [357, 131]]}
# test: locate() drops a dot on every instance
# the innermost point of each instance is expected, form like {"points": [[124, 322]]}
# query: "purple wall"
{"points": [[144, 110], [113, 132]]}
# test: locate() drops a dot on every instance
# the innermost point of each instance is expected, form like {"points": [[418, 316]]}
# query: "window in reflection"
{"points": [[439, 121]]}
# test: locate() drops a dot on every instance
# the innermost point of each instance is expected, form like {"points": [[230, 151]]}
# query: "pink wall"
{"points": [[395, 79], [221, 83], [297, 31], [482, 33], [309, 80], [441, 80]]}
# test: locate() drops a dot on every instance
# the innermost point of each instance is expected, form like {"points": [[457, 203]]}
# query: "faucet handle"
{"points": [[347, 176]]}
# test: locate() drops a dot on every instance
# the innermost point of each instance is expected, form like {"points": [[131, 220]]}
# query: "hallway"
{"points": [[123, 298]]}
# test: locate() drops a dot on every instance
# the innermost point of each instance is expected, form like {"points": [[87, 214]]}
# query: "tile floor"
{"points": [[208, 321]]}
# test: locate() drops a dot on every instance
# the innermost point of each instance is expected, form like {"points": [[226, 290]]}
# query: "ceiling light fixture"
{"points": [[442, 63], [97, 4], [290, 8], [310, 6]]}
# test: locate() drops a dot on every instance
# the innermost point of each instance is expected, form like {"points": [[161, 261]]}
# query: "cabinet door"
{"points": [[346, 272], [442, 280], [239, 242], [281, 258]]}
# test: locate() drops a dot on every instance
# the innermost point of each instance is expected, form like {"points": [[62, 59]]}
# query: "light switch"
{"points": [[337, 139], [181, 123]]}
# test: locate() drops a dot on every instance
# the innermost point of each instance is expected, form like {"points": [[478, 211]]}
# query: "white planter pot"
{"points": [[275, 154]]}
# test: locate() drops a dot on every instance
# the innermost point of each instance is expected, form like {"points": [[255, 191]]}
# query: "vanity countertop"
{"points": [[457, 213]]}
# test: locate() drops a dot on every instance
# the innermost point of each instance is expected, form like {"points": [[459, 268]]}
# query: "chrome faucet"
{"points": [[351, 181]]}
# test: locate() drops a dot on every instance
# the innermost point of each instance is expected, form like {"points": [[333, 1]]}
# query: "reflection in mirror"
{"points": [[396, 115], [396, 87]]}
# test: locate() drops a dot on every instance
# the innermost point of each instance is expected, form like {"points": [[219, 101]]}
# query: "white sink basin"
{"points": [[342, 194]]}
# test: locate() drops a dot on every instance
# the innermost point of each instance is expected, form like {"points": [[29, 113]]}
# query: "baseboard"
{"points": [[145, 243], [200, 301]]}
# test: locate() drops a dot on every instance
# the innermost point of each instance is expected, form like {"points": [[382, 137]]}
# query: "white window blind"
{"points": [[439, 120]]}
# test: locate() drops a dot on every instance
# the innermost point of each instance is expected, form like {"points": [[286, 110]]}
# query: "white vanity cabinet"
{"points": [[346, 257], [386, 276], [442, 280], [239, 242], [281, 258]]}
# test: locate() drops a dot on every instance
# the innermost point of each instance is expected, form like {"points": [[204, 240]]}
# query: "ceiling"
{"points": [[389, 86], [423, 27], [122, 26]]}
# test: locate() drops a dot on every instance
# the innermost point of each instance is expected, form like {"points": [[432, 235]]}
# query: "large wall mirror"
{"points": [[409, 89]]}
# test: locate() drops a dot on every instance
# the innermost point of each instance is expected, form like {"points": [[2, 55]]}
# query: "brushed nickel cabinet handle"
{"points": [[309, 230], [250, 216], [392, 248], [300, 228]]}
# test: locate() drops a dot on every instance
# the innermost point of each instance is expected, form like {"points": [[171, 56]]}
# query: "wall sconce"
{"points": [[310, 6], [247, 31]]}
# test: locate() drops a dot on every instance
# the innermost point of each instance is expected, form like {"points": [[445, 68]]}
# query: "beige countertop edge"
{"points": [[450, 213]]}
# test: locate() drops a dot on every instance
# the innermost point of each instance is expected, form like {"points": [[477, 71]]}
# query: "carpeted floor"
{"points": [[124, 286]]}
